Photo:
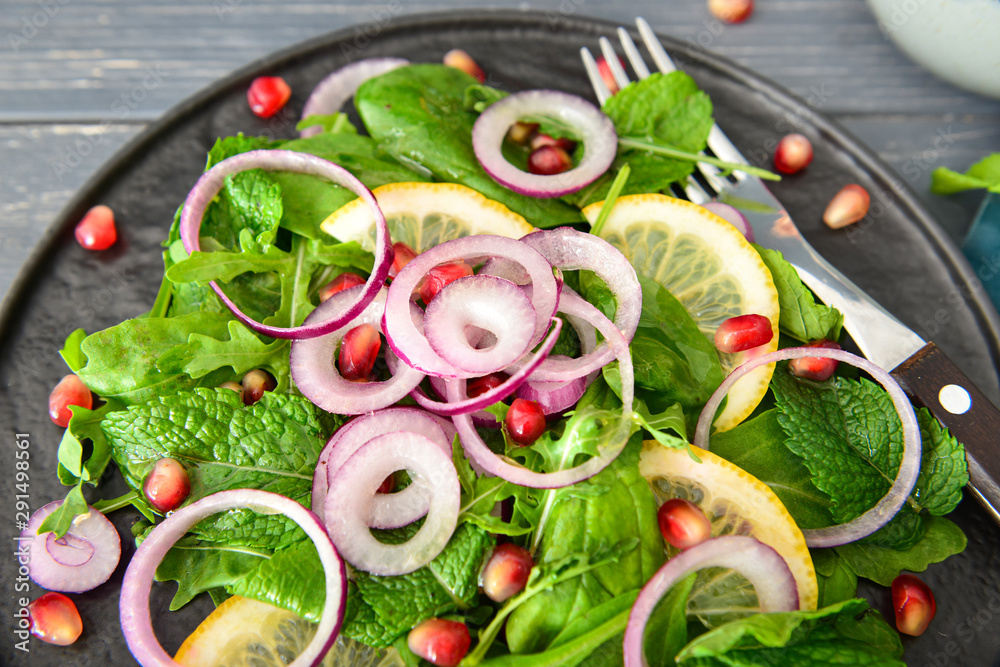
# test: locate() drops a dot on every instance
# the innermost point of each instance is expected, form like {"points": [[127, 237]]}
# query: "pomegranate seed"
{"points": [[819, 369], [402, 254], [794, 153], [522, 133], [731, 11], [480, 385], [358, 352], [97, 231], [914, 604], [166, 486], [605, 71], [549, 160], [69, 391], [440, 642], [54, 619], [506, 572], [339, 284], [525, 421], [540, 140], [440, 276], [235, 386], [255, 383], [388, 484], [683, 524], [459, 59], [743, 332], [847, 206], [267, 95]]}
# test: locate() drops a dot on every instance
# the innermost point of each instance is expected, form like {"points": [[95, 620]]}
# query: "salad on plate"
{"points": [[463, 383]]}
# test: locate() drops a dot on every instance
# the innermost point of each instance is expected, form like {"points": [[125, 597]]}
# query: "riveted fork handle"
{"points": [[935, 382]]}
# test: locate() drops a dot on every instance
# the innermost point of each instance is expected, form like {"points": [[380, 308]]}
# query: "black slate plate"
{"points": [[897, 254]]}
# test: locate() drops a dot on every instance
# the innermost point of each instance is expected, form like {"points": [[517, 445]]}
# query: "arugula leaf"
{"points": [[61, 520], [800, 316], [983, 174], [481, 493]]}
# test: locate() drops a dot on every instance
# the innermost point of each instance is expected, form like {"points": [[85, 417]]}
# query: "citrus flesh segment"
{"points": [[709, 266], [246, 633], [736, 503], [422, 215]]}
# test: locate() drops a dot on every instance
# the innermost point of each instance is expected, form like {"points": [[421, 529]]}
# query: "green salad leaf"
{"points": [[983, 174], [799, 315]]}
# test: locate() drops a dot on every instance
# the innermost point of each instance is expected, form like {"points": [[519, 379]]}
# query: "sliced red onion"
{"points": [[500, 466], [486, 303], [757, 562], [315, 372], [506, 269], [332, 92], [405, 336], [356, 483], [554, 397], [135, 618], [594, 130], [732, 216], [480, 418], [81, 560], [909, 465], [208, 186]]}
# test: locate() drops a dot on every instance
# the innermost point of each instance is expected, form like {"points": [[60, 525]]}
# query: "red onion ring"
{"points": [[211, 182], [595, 131], [353, 486], [480, 418], [315, 372], [762, 565], [554, 397], [136, 624], [909, 465], [83, 559], [404, 335], [731, 215], [336, 88]]}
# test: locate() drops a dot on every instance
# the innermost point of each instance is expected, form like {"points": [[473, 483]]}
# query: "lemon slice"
{"points": [[422, 215], [709, 266], [246, 633], [737, 503]]}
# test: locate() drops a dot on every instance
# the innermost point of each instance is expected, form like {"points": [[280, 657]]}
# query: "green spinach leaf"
{"points": [[800, 316]]}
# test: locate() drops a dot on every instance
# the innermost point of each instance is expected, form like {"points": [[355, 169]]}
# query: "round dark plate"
{"points": [[897, 254]]}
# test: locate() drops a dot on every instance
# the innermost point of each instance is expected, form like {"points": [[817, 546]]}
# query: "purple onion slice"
{"points": [[81, 560]]}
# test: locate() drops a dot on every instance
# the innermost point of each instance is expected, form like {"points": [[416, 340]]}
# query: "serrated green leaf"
{"points": [[292, 578], [799, 316], [198, 566], [944, 470]]}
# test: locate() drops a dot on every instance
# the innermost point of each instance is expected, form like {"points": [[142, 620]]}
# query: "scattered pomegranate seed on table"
{"points": [[743, 332], [358, 352], [402, 255], [914, 604], [731, 11], [267, 95], [549, 160], [506, 572], [96, 230], [440, 642], [683, 524], [167, 485], [69, 391], [54, 619], [255, 383], [819, 369], [847, 206], [605, 71], [441, 275], [459, 59], [339, 284], [525, 421], [794, 153]]}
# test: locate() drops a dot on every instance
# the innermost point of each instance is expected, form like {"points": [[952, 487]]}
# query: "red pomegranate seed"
{"points": [[388, 484], [440, 276], [480, 385], [819, 369], [97, 231], [235, 386], [847, 206], [731, 11], [358, 352], [549, 160], [793, 154], [54, 619], [166, 486], [506, 572], [267, 95], [459, 59], [402, 254], [683, 524], [913, 603], [255, 383], [69, 391], [605, 71], [525, 421], [339, 284], [522, 133], [440, 642], [743, 332], [540, 140]]}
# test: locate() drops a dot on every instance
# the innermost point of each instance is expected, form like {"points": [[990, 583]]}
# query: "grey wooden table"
{"points": [[80, 78]]}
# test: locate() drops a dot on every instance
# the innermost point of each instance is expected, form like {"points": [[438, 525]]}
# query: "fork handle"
{"points": [[934, 381]]}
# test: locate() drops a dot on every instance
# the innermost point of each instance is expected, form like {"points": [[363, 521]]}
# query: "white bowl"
{"points": [[958, 40]]}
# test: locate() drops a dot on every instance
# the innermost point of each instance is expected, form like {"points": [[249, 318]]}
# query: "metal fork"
{"points": [[924, 371]]}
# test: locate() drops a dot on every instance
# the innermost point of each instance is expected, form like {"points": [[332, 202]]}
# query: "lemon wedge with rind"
{"points": [[422, 215], [246, 633], [737, 503], [709, 266]]}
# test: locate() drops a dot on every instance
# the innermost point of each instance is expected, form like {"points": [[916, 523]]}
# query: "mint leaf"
{"points": [[800, 316], [227, 147], [291, 578], [943, 467], [983, 174], [254, 199]]}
